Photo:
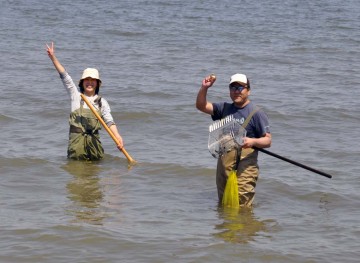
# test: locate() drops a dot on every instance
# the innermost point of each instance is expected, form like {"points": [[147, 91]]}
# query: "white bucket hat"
{"points": [[91, 73]]}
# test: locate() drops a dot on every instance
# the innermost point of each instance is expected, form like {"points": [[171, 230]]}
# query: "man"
{"points": [[243, 160]]}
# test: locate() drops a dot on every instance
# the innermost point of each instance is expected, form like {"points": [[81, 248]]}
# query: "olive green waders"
{"points": [[84, 138]]}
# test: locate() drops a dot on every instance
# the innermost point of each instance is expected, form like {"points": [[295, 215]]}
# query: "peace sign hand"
{"points": [[50, 50]]}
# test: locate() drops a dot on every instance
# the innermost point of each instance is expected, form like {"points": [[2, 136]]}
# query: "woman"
{"points": [[84, 139]]}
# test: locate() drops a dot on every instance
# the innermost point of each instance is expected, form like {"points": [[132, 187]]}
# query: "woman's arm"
{"points": [[51, 53], [115, 131], [109, 120]]}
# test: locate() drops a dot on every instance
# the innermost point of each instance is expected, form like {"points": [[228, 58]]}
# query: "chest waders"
{"points": [[245, 162], [84, 138]]}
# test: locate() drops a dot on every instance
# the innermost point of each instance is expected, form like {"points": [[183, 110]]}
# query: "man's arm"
{"points": [[262, 142], [201, 101]]}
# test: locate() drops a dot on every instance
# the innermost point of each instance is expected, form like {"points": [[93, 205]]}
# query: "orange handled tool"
{"points": [[128, 157]]}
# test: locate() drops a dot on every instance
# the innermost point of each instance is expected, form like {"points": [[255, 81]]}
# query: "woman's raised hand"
{"points": [[50, 50], [51, 53]]}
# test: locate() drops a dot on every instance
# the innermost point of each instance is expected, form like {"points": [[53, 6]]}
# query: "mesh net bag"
{"points": [[225, 135], [231, 193]]}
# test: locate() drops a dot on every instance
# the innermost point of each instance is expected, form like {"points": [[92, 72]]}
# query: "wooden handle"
{"points": [[128, 157]]}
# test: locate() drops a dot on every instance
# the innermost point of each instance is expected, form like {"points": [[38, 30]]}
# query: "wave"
{"points": [[4, 118]]}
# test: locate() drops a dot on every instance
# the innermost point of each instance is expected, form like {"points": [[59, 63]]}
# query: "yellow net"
{"points": [[231, 193]]}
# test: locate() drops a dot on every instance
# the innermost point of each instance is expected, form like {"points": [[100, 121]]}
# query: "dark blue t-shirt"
{"points": [[258, 125]]}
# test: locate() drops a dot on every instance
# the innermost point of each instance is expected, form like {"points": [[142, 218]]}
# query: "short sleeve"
{"points": [[218, 111], [262, 125]]}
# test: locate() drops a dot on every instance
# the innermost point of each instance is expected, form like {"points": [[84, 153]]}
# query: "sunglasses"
{"points": [[238, 88]]}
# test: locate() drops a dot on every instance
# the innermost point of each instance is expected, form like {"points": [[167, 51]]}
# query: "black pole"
{"points": [[293, 162]]}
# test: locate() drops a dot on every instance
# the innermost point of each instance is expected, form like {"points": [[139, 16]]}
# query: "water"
{"points": [[303, 61]]}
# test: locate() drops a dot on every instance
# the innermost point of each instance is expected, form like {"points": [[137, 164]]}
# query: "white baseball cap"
{"points": [[239, 78]]}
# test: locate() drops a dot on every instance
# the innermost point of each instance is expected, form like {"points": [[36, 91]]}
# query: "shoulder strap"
{"points": [[246, 122], [98, 100]]}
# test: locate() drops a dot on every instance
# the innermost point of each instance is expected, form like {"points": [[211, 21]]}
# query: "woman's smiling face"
{"points": [[89, 85]]}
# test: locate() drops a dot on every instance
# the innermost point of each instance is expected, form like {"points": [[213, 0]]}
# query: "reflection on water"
{"points": [[239, 225], [85, 192]]}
